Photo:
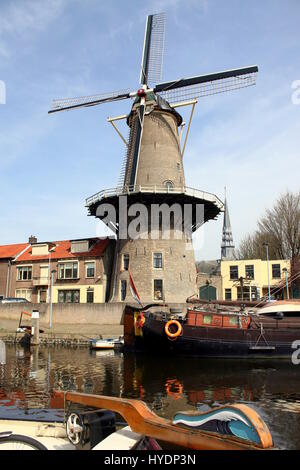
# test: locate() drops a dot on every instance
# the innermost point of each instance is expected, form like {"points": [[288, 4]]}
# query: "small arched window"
{"points": [[169, 185]]}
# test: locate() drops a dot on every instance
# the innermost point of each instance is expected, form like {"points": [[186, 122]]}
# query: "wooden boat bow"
{"points": [[144, 421]]}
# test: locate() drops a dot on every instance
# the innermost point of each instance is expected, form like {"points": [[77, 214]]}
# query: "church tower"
{"points": [[227, 246]]}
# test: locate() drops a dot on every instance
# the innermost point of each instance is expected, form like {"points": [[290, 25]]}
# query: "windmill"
{"points": [[153, 173]]}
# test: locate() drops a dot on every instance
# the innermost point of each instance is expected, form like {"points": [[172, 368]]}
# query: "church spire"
{"points": [[227, 246]]}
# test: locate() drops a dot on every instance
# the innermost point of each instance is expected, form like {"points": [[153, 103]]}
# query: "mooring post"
{"points": [[35, 328]]}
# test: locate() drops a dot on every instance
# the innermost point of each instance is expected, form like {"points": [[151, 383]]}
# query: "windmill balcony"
{"points": [[130, 190]]}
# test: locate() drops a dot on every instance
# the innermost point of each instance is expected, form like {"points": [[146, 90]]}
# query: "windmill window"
{"points": [[123, 289], [158, 289], [169, 185], [126, 262], [157, 261]]}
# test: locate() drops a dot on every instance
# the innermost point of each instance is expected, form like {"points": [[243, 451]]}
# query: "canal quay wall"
{"points": [[71, 323]]}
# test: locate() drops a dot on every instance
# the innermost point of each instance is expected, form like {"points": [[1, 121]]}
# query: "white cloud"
{"points": [[26, 18]]}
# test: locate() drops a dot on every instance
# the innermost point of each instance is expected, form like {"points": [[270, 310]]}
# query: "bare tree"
{"points": [[280, 228]]}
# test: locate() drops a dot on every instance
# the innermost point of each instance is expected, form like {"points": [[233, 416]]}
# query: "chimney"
{"points": [[32, 239]]}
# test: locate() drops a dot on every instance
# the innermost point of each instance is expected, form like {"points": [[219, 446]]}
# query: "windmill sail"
{"points": [[204, 85], [67, 104], [138, 140], [130, 152], [153, 50]]}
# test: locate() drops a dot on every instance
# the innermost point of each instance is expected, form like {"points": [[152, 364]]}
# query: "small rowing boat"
{"points": [[110, 343]]}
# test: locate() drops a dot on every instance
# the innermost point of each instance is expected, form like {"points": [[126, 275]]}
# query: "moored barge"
{"points": [[214, 330]]}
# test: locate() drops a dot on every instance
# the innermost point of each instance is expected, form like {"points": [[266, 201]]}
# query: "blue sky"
{"points": [[247, 140]]}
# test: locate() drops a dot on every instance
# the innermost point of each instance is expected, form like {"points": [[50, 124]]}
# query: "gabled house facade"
{"points": [[66, 271]]}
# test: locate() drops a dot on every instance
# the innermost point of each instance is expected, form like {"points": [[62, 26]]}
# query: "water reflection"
{"points": [[29, 377]]}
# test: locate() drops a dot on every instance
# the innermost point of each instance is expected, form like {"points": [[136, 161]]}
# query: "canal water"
{"points": [[167, 385]]}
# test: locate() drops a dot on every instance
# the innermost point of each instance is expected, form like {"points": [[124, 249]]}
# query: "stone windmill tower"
{"points": [[152, 211]]}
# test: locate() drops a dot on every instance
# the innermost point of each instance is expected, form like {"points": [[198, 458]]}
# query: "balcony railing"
{"points": [[127, 190], [40, 281]]}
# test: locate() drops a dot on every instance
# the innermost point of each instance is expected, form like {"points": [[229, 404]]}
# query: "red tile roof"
{"points": [[11, 251], [63, 251]]}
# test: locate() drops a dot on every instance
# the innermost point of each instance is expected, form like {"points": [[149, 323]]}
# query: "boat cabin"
{"points": [[218, 320]]}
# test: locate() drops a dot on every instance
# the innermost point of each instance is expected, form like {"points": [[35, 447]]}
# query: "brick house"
{"points": [[69, 271], [8, 253]]}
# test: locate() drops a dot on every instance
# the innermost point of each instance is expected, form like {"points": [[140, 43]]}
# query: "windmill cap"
{"points": [[161, 104]]}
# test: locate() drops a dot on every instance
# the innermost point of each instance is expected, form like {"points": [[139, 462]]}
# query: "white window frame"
{"points": [[126, 283], [19, 268], [39, 295], [123, 264], [162, 297], [90, 289], [26, 296], [60, 263], [86, 268], [162, 260], [64, 291]]}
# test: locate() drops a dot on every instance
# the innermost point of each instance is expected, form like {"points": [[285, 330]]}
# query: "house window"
{"points": [[90, 269], [243, 293], [42, 296], [123, 289], [24, 294], [24, 273], [126, 262], [158, 289], [254, 293], [68, 270], [228, 294], [157, 260], [69, 296], [249, 270], [90, 296], [234, 272], [276, 273]]}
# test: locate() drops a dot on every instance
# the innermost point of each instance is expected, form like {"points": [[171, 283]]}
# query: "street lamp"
{"points": [[287, 283], [266, 244], [51, 291], [49, 265]]}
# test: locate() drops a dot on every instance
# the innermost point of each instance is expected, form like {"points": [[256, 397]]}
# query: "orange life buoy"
{"points": [[174, 388], [177, 333]]}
